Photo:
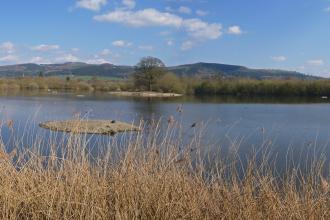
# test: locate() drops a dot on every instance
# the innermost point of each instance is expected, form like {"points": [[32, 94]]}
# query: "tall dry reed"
{"points": [[150, 175]]}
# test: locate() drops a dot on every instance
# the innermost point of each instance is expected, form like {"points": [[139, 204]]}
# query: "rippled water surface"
{"points": [[281, 125]]}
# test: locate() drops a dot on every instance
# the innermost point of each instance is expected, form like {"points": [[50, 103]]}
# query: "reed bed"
{"points": [[153, 174], [240, 87], [60, 84]]}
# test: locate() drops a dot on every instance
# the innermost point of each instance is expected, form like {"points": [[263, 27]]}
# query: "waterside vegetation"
{"points": [[170, 83], [151, 75], [150, 176]]}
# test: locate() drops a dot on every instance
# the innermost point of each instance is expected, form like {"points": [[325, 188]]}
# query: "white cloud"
{"points": [[105, 52], [201, 30], [129, 3], [94, 5], [170, 42], [146, 47], [142, 18], [316, 62], [75, 50], [187, 45], [121, 43], [103, 56], [9, 59], [279, 58], [184, 10], [301, 68], [235, 30], [165, 33], [46, 47], [151, 17], [181, 9], [201, 13], [67, 58], [8, 47], [168, 8], [97, 61], [38, 60]]}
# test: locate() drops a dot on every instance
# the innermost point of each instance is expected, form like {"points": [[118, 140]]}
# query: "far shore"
{"points": [[174, 88], [145, 94]]}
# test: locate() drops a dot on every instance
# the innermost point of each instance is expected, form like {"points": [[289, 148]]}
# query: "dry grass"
{"points": [[51, 83], [105, 127], [146, 94], [151, 175]]}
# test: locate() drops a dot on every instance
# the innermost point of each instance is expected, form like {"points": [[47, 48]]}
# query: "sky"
{"points": [[272, 34]]}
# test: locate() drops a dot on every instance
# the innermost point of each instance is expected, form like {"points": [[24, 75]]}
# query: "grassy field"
{"points": [[148, 176]]}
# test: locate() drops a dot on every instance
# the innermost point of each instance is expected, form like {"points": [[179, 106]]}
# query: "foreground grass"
{"points": [[150, 175]]}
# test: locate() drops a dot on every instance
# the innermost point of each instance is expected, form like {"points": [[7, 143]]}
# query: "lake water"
{"points": [[300, 127]]}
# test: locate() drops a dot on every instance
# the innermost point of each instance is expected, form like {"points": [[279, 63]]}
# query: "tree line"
{"points": [[150, 74]]}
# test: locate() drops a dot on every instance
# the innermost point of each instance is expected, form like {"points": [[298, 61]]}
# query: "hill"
{"points": [[232, 71], [205, 70]]}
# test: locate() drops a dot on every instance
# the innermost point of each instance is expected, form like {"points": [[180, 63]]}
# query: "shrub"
{"points": [[32, 86], [84, 86], [170, 83]]}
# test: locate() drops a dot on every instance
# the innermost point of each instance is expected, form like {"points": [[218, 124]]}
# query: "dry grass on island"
{"points": [[146, 94], [105, 127]]}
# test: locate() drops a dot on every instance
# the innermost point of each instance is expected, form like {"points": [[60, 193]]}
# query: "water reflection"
{"points": [[279, 125]]}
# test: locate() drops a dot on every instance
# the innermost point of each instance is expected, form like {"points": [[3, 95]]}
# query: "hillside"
{"points": [[206, 70], [81, 69], [230, 71]]}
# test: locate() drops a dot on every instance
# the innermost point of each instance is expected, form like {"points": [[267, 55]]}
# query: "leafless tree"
{"points": [[148, 71]]}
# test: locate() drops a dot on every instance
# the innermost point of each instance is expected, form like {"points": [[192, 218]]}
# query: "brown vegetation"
{"points": [[106, 127], [170, 83], [44, 83], [150, 177], [146, 94]]}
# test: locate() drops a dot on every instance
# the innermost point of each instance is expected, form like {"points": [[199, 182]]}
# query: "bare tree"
{"points": [[148, 71]]}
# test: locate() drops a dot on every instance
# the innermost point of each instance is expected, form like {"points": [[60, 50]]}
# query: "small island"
{"points": [[146, 94], [104, 127]]}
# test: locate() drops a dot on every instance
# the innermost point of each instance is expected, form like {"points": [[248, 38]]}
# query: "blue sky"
{"points": [[284, 34]]}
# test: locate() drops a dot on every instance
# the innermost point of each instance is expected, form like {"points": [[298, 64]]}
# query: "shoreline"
{"points": [[145, 94]]}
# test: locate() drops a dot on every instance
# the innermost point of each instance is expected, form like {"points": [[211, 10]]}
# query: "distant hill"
{"points": [[205, 70], [76, 68], [232, 71]]}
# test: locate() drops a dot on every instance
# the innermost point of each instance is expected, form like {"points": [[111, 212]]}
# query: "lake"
{"points": [[291, 129]]}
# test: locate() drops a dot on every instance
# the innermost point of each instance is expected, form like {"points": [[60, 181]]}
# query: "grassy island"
{"points": [[106, 127]]}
